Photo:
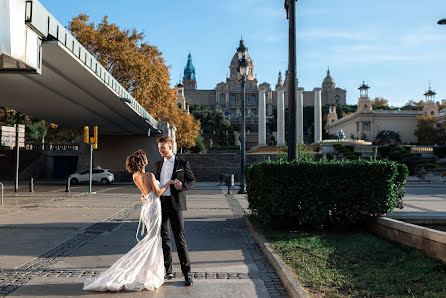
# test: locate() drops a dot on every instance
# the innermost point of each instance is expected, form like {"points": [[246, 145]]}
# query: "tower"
{"points": [[181, 100], [430, 108], [189, 79], [364, 103], [332, 115]]}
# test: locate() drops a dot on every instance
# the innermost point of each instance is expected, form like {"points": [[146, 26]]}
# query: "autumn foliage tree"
{"points": [[140, 68], [429, 131]]}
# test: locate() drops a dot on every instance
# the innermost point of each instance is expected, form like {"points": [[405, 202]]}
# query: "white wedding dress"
{"points": [[143, 266]]}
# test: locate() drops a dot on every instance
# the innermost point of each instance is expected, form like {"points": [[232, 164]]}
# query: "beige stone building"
{"points": [[259, 98], [366, 123]]}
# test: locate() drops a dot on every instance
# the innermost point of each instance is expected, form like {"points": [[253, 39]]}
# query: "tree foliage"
{"points": [[429, 131], [140, 68], [214, 124], [413, 105], [386, 137]]}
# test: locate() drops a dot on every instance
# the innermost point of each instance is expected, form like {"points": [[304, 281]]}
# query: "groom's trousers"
{"points": [[177, 223]]}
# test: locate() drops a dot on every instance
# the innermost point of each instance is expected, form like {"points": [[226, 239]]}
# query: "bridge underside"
{"points": [[70, 94]]}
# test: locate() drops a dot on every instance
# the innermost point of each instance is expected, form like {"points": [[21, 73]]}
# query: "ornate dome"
{"points": [[234, 65], [328, 82]]}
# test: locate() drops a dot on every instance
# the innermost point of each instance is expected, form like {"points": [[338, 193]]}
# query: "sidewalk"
{"points": [[54, 245]]}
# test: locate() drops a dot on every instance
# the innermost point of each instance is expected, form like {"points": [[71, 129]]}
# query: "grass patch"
{"points": [[356, 263]]}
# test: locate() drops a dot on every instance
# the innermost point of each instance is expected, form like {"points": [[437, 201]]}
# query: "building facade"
{"points": [[366, 123], [263, 102]]}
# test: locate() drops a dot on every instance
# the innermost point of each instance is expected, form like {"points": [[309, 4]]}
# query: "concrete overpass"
{"points": [[47, 73]]}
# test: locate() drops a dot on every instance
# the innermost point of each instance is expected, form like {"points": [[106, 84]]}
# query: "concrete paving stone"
{"points": [[72, 287], [19, 246]]}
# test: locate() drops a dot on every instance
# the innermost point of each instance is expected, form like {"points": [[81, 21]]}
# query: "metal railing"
{"points": [[51, 146], [421, 149]]}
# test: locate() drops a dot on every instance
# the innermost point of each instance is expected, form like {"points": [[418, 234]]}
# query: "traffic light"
{"points": [[95, 145], [86, 134]]}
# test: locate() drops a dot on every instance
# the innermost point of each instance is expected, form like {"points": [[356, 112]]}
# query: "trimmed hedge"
{"points": [[322, 194], [440, 151]]}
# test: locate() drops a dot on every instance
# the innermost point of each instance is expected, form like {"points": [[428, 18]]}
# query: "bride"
{"points": [[143, 266]]}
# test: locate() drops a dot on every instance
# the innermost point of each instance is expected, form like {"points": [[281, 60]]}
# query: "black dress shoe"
{"points": [[188, 280], [168, 276]]}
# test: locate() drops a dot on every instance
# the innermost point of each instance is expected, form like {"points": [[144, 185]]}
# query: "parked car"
{"points": [[104, 176]]}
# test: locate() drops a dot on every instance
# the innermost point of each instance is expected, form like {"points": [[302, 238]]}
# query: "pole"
{"points": [[91, 168], [242, 189], [16, 187], [292, 102]]}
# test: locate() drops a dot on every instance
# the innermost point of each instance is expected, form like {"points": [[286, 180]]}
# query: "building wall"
{"points": [[366, 126]]}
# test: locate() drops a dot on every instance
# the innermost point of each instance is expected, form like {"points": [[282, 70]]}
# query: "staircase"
{"points": [[209, 166]]}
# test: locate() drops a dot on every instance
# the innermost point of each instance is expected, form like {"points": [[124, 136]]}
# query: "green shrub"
{"points": [[321, 194], [440, 151]]}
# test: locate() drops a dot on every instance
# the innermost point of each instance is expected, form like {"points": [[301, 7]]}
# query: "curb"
{"points": [[292, 286]]}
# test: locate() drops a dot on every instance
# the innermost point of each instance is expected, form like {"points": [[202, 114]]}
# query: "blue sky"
{"points": [[395, 46]]}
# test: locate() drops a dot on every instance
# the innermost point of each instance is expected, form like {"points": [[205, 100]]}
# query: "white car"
{"points": [[99, 175]]}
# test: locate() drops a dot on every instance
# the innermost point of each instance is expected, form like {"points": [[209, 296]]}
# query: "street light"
{"points": [[442, 22], [290, 7], [243, 71]]}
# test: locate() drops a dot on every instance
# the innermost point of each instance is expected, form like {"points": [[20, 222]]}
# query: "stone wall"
{"points": [[209, 166]]}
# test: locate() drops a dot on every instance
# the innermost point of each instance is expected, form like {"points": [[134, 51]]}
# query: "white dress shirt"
{"points": [[166, 173]]}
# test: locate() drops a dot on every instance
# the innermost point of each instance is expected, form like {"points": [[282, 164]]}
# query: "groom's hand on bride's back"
{"points": [[143, 199]]}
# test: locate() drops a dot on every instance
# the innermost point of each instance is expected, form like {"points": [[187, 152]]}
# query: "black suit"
{"points": [[172, 208]]}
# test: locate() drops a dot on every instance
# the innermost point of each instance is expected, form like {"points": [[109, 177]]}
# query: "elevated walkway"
{"points": [[47, 73]]}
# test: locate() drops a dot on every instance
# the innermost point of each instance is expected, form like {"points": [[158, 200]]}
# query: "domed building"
{"points": [[367, 123], [259, 98]]}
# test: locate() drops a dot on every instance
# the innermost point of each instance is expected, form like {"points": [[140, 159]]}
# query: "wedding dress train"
{"points": [[143, 266]]}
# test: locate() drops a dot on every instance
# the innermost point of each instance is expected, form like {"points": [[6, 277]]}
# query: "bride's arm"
{"points": [[158, 191]]}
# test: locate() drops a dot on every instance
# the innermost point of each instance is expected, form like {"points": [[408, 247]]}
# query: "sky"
{"points": [[395, 46]]}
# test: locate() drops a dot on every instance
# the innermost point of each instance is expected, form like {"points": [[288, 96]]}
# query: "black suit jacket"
{"points": [[182, 172]]}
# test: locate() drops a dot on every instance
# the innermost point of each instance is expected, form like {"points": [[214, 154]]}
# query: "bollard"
{"points": [[2, 192], [67, 189], [222, 178], [229, 180], [31, 184]]}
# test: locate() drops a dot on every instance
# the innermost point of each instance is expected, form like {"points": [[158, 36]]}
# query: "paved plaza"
{"points": [[52, 241]]}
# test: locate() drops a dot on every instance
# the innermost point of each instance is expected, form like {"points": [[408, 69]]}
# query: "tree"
{"points": [[213, 123], [386, 137], [429, 132], [380, 102], [140, 68], [413, 105]]}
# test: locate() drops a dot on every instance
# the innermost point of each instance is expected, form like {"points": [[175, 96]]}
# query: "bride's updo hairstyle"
{"points": [[136, 162]]}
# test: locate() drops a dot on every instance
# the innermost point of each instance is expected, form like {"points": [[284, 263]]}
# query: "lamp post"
{"points": [[243, 71], [442, 22], [290, 6]]}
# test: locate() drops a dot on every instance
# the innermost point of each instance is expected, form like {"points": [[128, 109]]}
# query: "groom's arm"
{"points": [[189, 178]]}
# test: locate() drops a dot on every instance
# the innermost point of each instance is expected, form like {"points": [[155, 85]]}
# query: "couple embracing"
{"points": [[149, 262]]}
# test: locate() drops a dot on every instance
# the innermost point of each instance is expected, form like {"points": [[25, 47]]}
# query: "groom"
{"points": [[173, 203]]}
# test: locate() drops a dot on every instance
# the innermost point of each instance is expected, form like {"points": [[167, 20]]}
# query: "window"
{"points": [[254, 112], [365, 125], [222, 98], [337, 98], [84, 172], [253, 99], [98, 171], [233, 102], [233, 112], [432, 113]]}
